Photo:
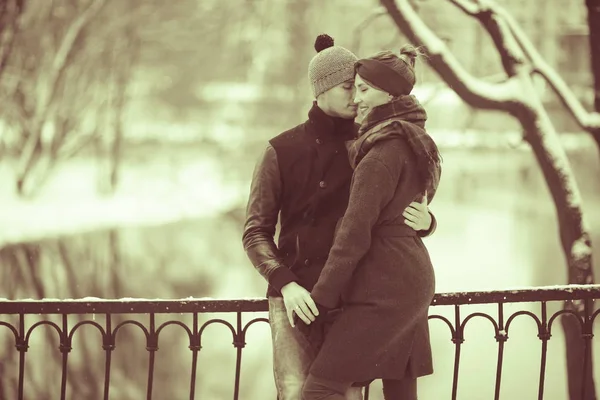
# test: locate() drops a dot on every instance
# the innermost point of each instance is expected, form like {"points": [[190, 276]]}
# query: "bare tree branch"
{"points": [[590, 121], [474, 91], [468, 7], [485, 10]]}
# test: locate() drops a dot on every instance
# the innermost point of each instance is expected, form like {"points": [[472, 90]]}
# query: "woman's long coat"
{"points": [[380, 272]]}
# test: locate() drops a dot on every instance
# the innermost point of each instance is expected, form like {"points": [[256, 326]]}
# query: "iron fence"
{"points": [[101, 315]]}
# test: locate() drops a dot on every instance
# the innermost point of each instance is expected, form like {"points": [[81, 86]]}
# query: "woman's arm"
{"points": [[372, 188]]}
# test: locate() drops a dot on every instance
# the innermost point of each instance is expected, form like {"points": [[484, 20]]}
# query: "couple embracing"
{"points": [[350, 281]]}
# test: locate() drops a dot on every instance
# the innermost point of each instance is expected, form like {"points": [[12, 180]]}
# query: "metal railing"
{"points": [[581, 297]]}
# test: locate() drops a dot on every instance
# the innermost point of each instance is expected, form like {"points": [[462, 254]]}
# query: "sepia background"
{"points": [[128, 135]]}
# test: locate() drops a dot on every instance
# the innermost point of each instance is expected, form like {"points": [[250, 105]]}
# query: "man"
{"points": [[304, 179]]}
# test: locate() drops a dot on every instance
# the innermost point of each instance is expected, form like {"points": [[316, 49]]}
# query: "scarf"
{"points": [[404, 117]]}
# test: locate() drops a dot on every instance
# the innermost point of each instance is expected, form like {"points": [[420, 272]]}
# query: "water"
{"points": [[174, 230]]}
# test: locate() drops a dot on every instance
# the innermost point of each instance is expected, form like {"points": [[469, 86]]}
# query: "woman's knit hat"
{"points": [[331, 66], [389, 72]]}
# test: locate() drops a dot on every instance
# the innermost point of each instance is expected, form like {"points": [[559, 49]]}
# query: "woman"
{"points": [[378, 271]]}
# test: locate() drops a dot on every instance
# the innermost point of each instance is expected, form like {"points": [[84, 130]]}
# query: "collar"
{"points": [[325, 127]]}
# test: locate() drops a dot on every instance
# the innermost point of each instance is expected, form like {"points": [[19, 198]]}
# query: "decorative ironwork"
{"points": [[194, 307]]}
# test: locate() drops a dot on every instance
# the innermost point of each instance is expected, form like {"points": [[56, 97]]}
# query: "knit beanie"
{"points": [[331, 66], [389, 72]]}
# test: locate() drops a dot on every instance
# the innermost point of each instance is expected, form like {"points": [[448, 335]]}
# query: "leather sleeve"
{"points": [[431, 229], [262, 212]]}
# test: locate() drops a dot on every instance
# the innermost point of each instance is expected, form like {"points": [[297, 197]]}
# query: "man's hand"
{"points": [[297, 300], [417, 215]]}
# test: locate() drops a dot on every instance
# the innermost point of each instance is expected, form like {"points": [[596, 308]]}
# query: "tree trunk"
{"points": [[124, 76], [575, 242], [115, 266], [593, 7]]}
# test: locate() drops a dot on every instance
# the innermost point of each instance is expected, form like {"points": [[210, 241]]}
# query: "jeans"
{"points": [[292, 355]]}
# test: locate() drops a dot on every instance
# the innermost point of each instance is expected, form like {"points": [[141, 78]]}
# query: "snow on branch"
{"points": [[472, 8], [514, 48], [474, 91], [590, 121]]}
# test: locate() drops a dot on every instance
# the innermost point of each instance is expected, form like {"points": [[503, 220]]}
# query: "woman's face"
{"points": [[367, 97]]}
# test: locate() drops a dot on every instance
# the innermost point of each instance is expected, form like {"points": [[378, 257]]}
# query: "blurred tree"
{"points": [[593, 8], [45, 69], [517, 96], [10, 12], [298, 43], [67, 71], [121, 61]]}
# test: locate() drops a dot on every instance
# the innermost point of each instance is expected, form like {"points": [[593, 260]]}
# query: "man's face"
{"points": [[339, 101], [368, 97]]}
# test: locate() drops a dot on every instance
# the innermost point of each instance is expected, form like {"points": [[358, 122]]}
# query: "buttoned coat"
{"points": [[381, 274]]}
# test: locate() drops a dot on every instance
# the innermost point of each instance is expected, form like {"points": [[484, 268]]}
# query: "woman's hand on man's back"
{"points": [[417, 215]]}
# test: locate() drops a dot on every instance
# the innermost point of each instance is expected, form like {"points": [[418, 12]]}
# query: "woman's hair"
{"points": [[408, 53]]}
